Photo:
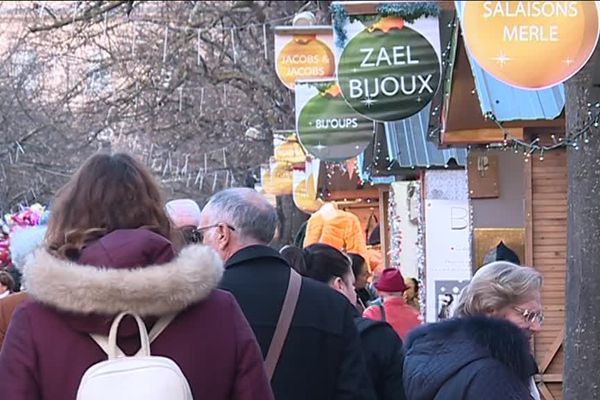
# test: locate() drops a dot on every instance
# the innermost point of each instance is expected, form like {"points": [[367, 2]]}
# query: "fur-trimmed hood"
{"points": [[435, 353], [153, 290]]}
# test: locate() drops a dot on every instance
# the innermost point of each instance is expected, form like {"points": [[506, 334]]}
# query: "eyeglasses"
{"points": [[530, 316], [199, 232]]}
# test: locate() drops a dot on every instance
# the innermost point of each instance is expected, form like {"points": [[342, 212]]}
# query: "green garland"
{"points": [[322, 87], [408, 11]]}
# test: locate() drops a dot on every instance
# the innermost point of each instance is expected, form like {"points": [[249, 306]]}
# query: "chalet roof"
{"points": [[402, 147], [508, 103], [408, 146]]}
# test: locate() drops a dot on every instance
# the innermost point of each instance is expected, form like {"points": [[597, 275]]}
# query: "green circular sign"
{"points": [[389, 76], [330, 130]]}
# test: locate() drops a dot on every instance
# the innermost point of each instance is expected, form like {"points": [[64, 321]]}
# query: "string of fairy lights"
{"points": [[536, 146], [571, 139]]}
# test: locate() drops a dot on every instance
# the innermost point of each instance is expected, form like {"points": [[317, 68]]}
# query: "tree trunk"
{"points": [[582, 358], [290, 220]]}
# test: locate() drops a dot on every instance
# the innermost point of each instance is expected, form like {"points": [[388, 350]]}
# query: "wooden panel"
{"points": [[528, 192], [552, 350], [557, 365], [548, 205], [482, 173], [545, 392], [365, 194], [384, 196], [474, 136]]}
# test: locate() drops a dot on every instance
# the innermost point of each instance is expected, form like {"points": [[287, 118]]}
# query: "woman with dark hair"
{"points": [[411, 294], [382, 347], [295, 257], [109, 250], [361, 273]]}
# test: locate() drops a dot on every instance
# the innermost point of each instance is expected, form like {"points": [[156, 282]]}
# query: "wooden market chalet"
{"points": [[515, 198]]}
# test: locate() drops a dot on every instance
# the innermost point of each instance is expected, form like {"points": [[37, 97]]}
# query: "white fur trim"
{"points": [[152, 290]]}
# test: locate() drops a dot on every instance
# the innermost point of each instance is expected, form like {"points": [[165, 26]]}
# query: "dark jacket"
{"points": [[382, 348], [470, 358], [47, 348], [321, 358]]}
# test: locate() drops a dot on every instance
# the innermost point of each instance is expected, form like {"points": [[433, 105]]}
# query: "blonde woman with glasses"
{"points": [[482, 353]]}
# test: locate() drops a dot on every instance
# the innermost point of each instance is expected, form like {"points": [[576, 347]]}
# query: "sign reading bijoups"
{"points": [[530, 44], [327, 127], [303, 52], [389, 65]]}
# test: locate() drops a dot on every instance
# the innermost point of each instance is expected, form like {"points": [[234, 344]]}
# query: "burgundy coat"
{"points": [[47, 348]]}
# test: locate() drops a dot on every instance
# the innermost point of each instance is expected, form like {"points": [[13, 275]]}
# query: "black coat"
{"points": [[321, 358], [382, 348], [470, 358]]}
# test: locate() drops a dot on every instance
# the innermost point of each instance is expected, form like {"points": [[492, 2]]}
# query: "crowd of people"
{"points": [[241, 320]]}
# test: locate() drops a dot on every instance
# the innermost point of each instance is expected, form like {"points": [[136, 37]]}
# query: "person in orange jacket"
{"points": [[394, 310], [337, 228]]}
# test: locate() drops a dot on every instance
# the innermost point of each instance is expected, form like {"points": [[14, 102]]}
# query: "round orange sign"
{"points": [[531, 44], [304, 57]]}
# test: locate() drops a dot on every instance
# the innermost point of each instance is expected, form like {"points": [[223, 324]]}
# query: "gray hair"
{"points": [[247, 211], [498, 285]]}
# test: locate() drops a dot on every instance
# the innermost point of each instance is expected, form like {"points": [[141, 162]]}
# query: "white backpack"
{"points": [[141, 376]]}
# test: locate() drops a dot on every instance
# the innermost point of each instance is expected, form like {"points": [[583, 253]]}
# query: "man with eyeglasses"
{"points": [[321, 357]]}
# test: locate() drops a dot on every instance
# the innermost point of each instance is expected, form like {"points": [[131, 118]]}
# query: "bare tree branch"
{"points": [[95, 10]]}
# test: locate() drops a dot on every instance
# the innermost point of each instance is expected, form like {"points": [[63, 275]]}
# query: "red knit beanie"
{"points": [[391, 280]]}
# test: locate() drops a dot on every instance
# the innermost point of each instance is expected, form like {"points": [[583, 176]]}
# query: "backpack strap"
{"points": [[159, 326], [365, 324], [283, 324], [113, 350], [382, 311], [102, 342]]}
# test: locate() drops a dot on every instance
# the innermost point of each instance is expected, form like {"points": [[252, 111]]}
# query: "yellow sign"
{"points": [[287, 148], [276, 178], [303, 52], [305, 194], [531, 44]]}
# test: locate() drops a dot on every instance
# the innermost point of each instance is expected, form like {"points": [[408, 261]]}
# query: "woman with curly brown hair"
{"points": [[108, 250], [7, 284]]}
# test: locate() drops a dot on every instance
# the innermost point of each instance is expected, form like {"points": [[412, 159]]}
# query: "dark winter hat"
{"points": [[374, 237], [502, 253], [391, 280]]}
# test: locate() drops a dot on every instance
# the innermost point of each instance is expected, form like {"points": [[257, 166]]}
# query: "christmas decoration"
{"points": [[304, 193], [287, 148], [395, 231], [389, 71], [303, 53], [530, 45], [573, 139], [327, 127], [389, 64], [409, 11], [276, 177], [31, 216]]}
